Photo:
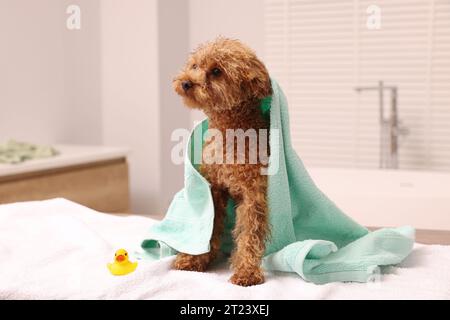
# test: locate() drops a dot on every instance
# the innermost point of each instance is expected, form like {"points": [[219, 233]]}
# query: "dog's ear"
{"points": [[257, 84]]}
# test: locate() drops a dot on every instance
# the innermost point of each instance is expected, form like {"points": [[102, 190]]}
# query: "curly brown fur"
{"points": [[227, 81]]}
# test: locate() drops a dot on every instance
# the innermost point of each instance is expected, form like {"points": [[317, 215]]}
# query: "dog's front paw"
{"points": [[248, 278], [189, 262]]}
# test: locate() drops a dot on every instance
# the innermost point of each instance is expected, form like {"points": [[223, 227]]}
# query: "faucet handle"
{"points": [[401, 131]]}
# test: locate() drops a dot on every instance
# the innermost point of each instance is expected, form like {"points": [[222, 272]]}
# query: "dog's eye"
{"points": [[194, 66], [216, 72]]}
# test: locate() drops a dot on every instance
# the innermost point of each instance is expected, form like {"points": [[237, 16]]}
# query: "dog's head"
{"points": [[221, 75]]}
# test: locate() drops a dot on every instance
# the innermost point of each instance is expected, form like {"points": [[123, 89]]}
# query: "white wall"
{"points": [[143, 45], [82, 76], [107, 83], [173, 24], [130, 92], [110, 82], [48, 80], [239, 19]]}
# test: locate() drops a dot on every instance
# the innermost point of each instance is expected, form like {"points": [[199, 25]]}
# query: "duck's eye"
{"points": [[126, 253], [216, 72], [194, 66]]}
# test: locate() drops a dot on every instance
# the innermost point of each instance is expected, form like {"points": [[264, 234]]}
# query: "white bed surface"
{"points": [[57, 249]]}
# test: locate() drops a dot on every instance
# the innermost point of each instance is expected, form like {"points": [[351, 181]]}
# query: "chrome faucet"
{"points": [[390, 130]]}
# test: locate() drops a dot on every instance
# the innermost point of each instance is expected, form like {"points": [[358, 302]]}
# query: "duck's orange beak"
{"points": [[120, 258]]}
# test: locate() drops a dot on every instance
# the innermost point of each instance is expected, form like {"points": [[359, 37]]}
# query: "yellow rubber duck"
{"points": [[121, 265]]}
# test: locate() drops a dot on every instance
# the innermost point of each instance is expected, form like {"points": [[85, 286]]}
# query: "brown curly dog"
{"points": [[226, 80]]}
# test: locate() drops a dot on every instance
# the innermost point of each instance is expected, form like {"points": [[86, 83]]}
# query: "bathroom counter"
{"points": [[95, 176], [69, 155]]}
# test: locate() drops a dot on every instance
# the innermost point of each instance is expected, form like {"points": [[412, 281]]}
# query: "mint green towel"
{"points": [[309, 234]]}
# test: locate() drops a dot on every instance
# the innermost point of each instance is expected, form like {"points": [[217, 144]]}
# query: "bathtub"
{"points": [[389, 197]]}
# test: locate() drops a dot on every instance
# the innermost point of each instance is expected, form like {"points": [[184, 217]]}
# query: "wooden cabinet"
{"points": [[96, 177]]}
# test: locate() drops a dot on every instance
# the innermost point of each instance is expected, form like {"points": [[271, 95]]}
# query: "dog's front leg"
{"points": [[201, 262], [250, 233]]}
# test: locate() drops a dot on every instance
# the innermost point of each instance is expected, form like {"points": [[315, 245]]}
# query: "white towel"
{"points": [[57, 249]]}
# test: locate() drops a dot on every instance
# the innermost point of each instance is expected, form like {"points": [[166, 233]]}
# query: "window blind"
{"points": [[320, 50]]}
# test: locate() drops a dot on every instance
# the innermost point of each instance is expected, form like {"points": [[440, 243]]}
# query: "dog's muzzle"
{"points": [[186, 85]]}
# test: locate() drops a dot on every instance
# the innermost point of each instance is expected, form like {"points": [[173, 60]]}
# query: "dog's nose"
{"points": [[186, 85]]}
